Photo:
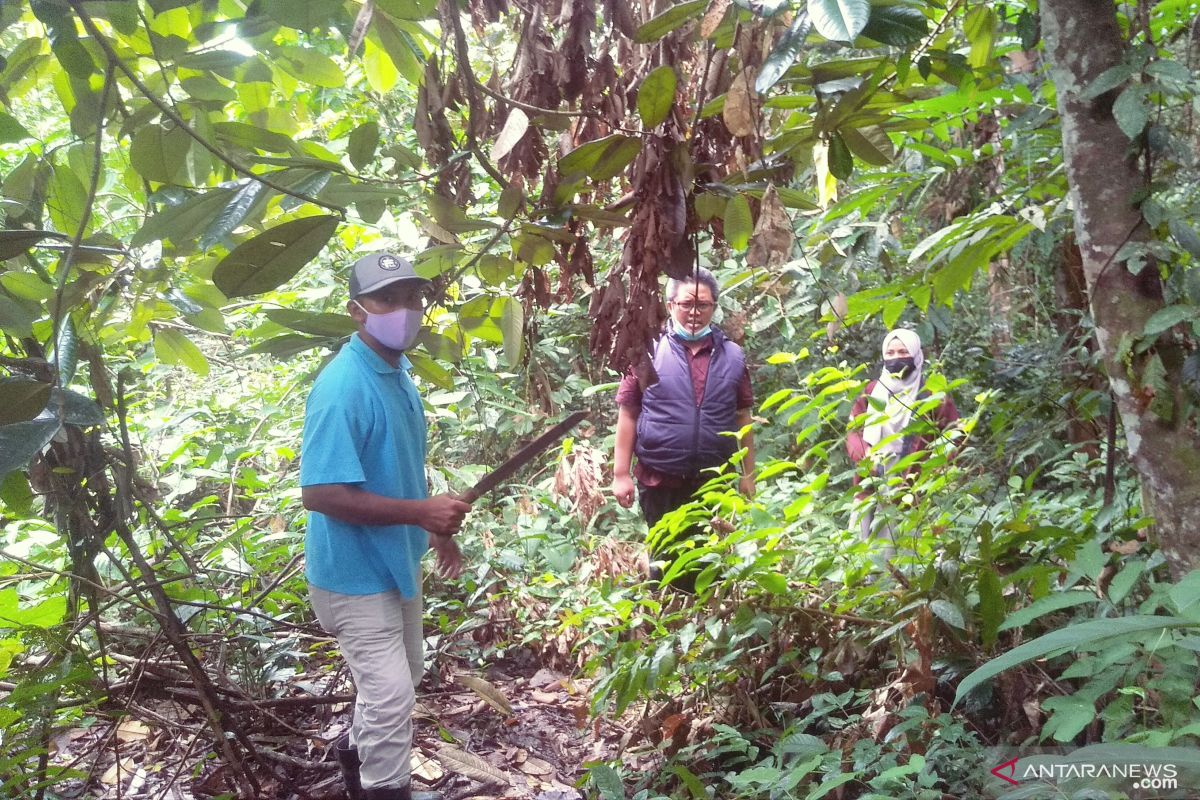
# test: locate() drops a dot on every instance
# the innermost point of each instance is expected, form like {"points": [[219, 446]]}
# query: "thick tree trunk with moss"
{"points": [[1083, 40]]}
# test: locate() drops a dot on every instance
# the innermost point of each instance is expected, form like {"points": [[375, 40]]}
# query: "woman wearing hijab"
{"points": [[889, 433]]}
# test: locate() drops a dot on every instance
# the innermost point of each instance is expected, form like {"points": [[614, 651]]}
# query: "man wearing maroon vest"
{"points": [[680, 426]]}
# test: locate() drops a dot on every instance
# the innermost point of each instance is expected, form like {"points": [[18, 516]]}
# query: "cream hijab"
{"points": [[898, 395]]}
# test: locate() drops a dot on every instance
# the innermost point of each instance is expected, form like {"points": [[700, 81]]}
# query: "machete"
{"points": [[522, 457]]}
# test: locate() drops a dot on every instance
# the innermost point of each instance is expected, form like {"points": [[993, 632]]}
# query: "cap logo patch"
{"points": [[389, 263]]}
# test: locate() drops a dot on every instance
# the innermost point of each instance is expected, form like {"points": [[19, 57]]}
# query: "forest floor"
{"points": [[517, 731]]}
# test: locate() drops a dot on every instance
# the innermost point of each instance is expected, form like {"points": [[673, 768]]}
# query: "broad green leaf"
{"points": [[430, 370], [1047, 605], [669, 20], [206, 88], [784, 53], [402, 50], [222, 62], [183, 223], [362, 144], [174, 348], [16, 318], [270, 259], [1080, 637], [65, 199], [948, 613], [310, 66], [866, 149], [159, 154], [1108, 80], [381, 72], [286, 345], [1169, 317], [1124, 580], [584, 157], [991, 606], [607, 782], [1185, 236], [244, 201], [16, 495], [616, 158], [656, 96], [709, 205], [510, 201], [66, 352], [15, 242], [841, 162], [512, 325], [335, 325], [1069, 715], [77, 409], [305, 16], [11, 130], [22, 399], [26, 286], [252, 137], [898, 26], [46, 614], [980, 29], [1186, 592], [21, 441], [738, 223], [839, 20], [773, 582], [1131, 110]]}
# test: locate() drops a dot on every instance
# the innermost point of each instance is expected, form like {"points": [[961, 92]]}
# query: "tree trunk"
{"points": [[1083, 40]]}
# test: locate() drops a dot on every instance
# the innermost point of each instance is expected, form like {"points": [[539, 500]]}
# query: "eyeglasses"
{"points": [[703, 308]]}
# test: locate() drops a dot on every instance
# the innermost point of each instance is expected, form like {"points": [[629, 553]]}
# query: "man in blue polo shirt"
{"points": [[362, 473]]}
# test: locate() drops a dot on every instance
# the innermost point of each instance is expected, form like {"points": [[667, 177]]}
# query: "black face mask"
{"points": [[900, 366]]}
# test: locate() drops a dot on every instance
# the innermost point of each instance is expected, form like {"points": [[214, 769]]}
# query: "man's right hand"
{"points": [[622, 488], [443, 514]]}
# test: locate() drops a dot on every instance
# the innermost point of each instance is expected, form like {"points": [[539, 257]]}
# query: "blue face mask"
{"points": [[688, 336]]}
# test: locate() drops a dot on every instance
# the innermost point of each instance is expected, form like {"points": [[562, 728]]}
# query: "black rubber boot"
{"points": [[349, 763]]}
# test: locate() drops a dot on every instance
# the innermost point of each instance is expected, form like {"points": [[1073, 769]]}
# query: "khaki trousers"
{"points": [[380, 637]]}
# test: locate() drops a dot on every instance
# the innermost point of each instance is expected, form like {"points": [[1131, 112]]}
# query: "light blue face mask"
{"points": [[688, 336]]}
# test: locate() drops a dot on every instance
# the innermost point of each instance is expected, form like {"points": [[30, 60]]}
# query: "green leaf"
{"points": [[876, 154], [512, 325], [656, 96], [26, 286], [22, 399], [1169, 317], [784, 54], [16, 318], [77, 409], [174, 348], [335, 325], [1186, 593], [839, 20], [210, 89], [306, 16], [841, 162], [252, 137], [159, 154], [738, 223], [11, 130], [980, 29], [1079, 637], [948, 613], [363, 142], [46, 614], [607, 782], [1047, 605], [1185, 236], [991, 606], [183, 223], [1124, 580], [21, 441], [65, 199], [15, 242], [694, 786], [286, 345], [773, 582], [1108, 80], [66, 355], [1069, 716], [898, 26], [1132, 111], [310, 66], [270, 259], [233, 215], [430, 370], [669, 20], [615, 158], [16, 494]]}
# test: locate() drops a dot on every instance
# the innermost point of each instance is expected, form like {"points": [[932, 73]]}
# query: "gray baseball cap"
{"points": [[381, 269]]}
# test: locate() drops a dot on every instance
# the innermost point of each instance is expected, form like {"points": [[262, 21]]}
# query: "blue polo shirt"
{"points": [[364, 426]]}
